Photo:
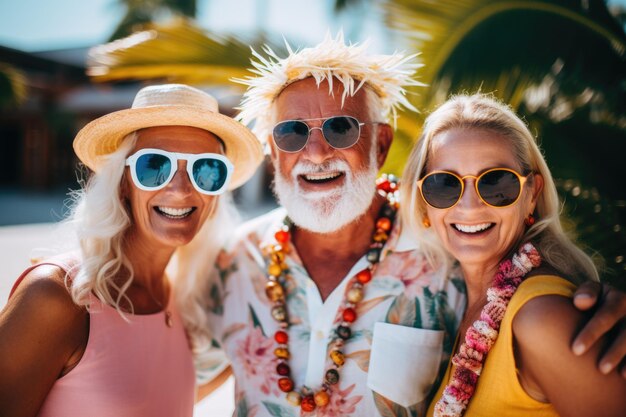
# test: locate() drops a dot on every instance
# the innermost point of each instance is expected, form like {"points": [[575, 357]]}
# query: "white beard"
{"points": [[327, 211]]}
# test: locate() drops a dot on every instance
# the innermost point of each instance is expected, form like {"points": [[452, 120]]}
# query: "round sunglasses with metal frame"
{"points": [[496, 187], [152, 169], [340, 132]]}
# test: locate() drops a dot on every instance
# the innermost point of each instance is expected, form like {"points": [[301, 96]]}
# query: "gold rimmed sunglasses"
{"points": [[496, 187]]}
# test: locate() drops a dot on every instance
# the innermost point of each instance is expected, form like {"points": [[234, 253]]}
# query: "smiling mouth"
{"points": [[174, 213], [474, 228], [321, 177]]}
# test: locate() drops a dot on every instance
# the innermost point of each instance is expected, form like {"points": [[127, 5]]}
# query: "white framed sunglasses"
{"points": [[152, 169]]}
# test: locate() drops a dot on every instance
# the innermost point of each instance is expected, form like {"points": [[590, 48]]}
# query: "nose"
{"points": [[470, 198], [181, 183], [317, 149]]}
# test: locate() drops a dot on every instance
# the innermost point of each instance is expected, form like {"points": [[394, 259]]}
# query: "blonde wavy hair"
{"points": [[101, 219], [480, 111]]}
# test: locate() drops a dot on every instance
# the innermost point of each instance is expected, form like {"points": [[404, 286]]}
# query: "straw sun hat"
{"points": [[171, 105]]}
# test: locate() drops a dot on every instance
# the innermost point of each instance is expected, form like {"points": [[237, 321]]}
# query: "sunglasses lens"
{"points": [[291, 135], [341, 131], [210, 174], [441, 190], [499, 187], [153, 169]]}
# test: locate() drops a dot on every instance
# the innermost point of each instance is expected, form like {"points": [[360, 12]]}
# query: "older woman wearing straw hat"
{"points": [[104, 331]]}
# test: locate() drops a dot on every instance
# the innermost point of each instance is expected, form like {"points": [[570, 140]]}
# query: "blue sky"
{"points": [[34, 25]]}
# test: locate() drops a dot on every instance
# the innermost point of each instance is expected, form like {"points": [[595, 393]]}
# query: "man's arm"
{"points": [[609, 316]]}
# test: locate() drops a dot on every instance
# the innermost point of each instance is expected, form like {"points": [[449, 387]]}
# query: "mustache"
{"points": [[306, 167]]}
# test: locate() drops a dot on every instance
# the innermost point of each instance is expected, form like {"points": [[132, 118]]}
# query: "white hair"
{"points": [[101, 220], [332, 59]]}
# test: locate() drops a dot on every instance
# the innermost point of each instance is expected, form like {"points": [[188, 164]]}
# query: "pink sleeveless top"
{"points": [[139, 367]]}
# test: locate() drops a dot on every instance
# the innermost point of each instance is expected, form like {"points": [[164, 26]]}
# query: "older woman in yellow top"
{"points": [[478, 186]]}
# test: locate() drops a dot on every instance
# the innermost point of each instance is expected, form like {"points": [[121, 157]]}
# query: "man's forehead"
{"points": [[305, 98]]}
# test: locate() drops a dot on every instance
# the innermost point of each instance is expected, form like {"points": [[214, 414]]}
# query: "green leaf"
{"points": [[277, 410], [217, 305], [417, 323], [459, 284], [402, 311], [255, 319], [242, 408]]}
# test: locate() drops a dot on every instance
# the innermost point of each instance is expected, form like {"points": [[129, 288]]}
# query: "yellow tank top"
{"points": [[498, 391]]}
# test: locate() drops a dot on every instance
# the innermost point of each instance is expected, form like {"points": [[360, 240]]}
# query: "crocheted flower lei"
{"points": [[481, 336]]}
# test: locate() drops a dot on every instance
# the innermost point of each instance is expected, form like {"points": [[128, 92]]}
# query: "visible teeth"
{"points": [[175, 212], [473, 228], [318, 176]]}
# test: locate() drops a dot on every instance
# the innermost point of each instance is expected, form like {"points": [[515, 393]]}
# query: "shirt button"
{"points": [[319, 334]]}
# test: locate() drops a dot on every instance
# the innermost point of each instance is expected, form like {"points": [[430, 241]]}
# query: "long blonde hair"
{"points": [[101, 219], [481, 111]]}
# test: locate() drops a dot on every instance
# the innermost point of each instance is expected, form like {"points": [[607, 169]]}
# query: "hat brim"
{"points": [[105, 134]]}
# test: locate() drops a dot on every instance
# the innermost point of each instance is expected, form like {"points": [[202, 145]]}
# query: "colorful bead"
{"points": [[344, 332], [294, 398], [282, 236], [380, 237], [274, 270], [349, 315], [285, 384], [283, 369], [364, 276], [332, 377], [308, 403], [279, 313], [281, 337], [483, 333], [278, 257], [274, 291], [282, 353], [383, 224], [388, 211], [354, 295], [321, 399], [373, 255], [384, 185], [337, 357]]}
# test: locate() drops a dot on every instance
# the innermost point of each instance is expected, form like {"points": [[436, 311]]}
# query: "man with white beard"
{"points": [[324, 306]]}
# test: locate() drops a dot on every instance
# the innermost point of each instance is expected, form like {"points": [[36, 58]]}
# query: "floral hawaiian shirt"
{"points": [[400, 342]]}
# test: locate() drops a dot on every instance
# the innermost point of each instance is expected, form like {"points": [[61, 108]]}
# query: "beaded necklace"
{"points": [[483, 333], [277, 270]]}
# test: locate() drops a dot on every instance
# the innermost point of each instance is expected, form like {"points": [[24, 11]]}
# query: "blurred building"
{"points": [[38, 133]]}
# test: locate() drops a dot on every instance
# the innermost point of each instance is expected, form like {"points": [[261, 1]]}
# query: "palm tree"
{"points": [[562, 65], [177, 51], [140, 13], [559, 63]]}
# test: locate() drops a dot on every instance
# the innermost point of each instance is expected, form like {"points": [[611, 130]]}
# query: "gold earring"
{"points": [[426, 222]]}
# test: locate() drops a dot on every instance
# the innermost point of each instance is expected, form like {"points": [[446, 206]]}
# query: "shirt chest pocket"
{"points": [[404, 362]]}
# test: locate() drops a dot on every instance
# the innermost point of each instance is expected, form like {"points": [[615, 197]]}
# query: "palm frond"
{"points": [[13, 87], [178, 51], [508, 46], [561, 64]]}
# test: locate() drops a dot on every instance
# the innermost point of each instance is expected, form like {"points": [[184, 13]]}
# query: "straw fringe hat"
{"points": [[171, 105]]}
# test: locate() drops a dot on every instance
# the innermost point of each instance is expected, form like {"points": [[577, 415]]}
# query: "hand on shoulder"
{"points": [[543, 332]]}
